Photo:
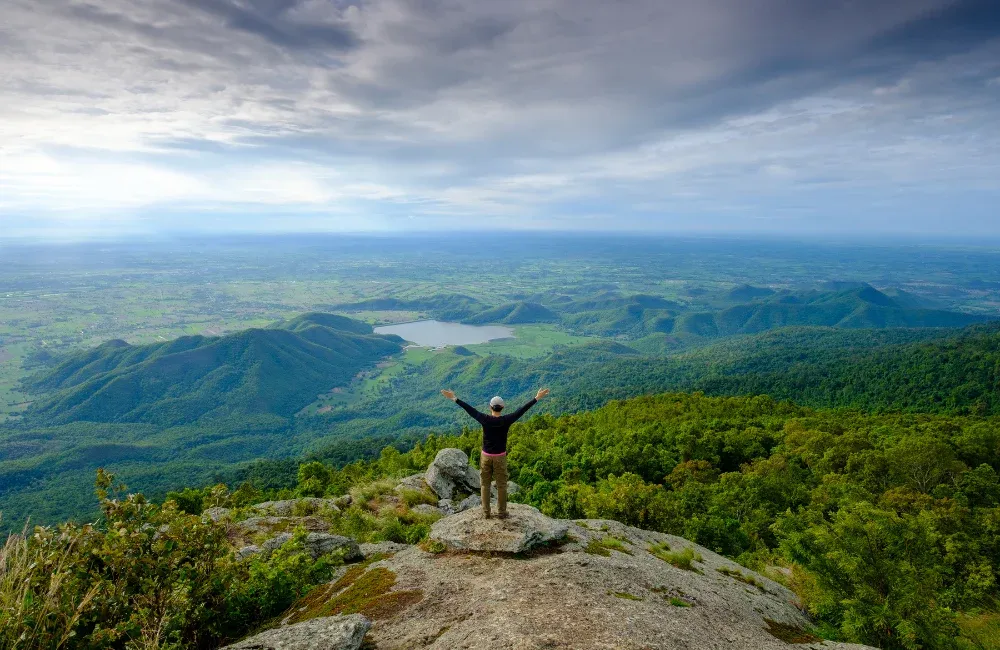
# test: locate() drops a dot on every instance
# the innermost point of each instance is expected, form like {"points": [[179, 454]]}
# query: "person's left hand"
{"points": [[449, 394], [541, 393]]}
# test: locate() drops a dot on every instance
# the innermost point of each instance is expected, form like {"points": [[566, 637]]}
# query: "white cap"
{"points": [[496, 403]]}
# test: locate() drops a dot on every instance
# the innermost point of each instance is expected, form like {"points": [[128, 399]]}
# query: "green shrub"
{"points": [[416, 497], [147, 577], [735, 574], [606, 545]]}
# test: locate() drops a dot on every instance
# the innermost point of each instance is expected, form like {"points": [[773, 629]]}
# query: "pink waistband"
{"points": [[489, 454]]}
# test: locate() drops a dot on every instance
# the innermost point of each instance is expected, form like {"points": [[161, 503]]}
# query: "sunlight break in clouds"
{"points": [[751, 115]]}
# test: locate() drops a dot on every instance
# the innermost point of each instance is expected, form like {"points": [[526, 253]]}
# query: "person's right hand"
{"points": [[541, 393], [449, 394]]}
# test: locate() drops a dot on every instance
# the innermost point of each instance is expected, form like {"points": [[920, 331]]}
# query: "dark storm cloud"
{"points": [[269, 19]]}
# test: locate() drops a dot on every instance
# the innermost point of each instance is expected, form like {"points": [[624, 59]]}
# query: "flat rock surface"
{"points": [[374, 548], [526, 528], [570, 598], [328, 633]]}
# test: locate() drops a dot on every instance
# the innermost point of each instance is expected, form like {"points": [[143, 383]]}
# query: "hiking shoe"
{"points": [[486, 515], [502, 515]]}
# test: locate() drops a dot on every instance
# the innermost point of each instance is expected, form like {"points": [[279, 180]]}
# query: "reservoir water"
{"points": [[435, 333]]}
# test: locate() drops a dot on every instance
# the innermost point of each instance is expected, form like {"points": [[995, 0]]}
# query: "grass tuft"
{"points": [[604, 546], [357, 592], [681, 559], [979, 631], [735, 574], [624, 595], [416, 497], [432, 546]]}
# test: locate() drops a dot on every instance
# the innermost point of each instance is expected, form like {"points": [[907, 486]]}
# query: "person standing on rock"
{"points": [[493, 460]]}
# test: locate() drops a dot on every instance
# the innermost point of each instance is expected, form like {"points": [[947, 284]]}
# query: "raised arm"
{"points": [[516, 415], [476, 415]]}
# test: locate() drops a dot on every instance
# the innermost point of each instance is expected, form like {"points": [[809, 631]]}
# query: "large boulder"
{"points": [[216, 513], [413, 482], [426, 509], [326, 633], [257, 525], [300, 507], [525, 528], [318, 544], [248, 551], [450, 472]]}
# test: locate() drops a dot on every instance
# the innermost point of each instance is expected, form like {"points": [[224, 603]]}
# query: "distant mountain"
{"points": [[515, 313], [443, 306], [274, 371], [633, 321], [746, 293], [858, 307], [610, 300]]}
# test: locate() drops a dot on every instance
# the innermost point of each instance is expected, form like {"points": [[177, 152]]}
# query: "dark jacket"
{"points": [[495, 428]]}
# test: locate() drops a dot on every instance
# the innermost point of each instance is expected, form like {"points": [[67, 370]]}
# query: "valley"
{"points": [[91, 336]]}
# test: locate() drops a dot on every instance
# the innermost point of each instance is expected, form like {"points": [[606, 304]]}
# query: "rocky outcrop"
{"points": [[317, 545], [525, 529], [299, 507], [414, 482], [604, 586], [382, 548], [248, 551], [450, 473], [327, 633], [216, 514], [251, 532], [531, 581]]}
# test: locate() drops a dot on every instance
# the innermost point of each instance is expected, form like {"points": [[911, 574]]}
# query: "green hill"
{"points": [[747, 293], [515, 314], [273, 371], [857, 308], [442, 306], [940, 371]]}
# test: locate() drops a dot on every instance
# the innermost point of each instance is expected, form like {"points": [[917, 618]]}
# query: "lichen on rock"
{"points": [[328, 633]]}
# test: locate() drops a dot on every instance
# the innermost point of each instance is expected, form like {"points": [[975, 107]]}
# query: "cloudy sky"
{"points": [[776, 116]]}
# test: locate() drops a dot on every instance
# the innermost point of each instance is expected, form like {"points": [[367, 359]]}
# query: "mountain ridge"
{"points": [[195, 377]]}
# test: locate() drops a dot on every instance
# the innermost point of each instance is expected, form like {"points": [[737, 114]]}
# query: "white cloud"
{"points": [[465, 109]]}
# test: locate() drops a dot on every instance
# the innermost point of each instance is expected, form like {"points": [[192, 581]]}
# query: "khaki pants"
{"points": [[490, 468]]}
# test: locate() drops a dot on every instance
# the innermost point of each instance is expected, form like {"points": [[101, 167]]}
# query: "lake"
{"points": [[435, 333]]}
